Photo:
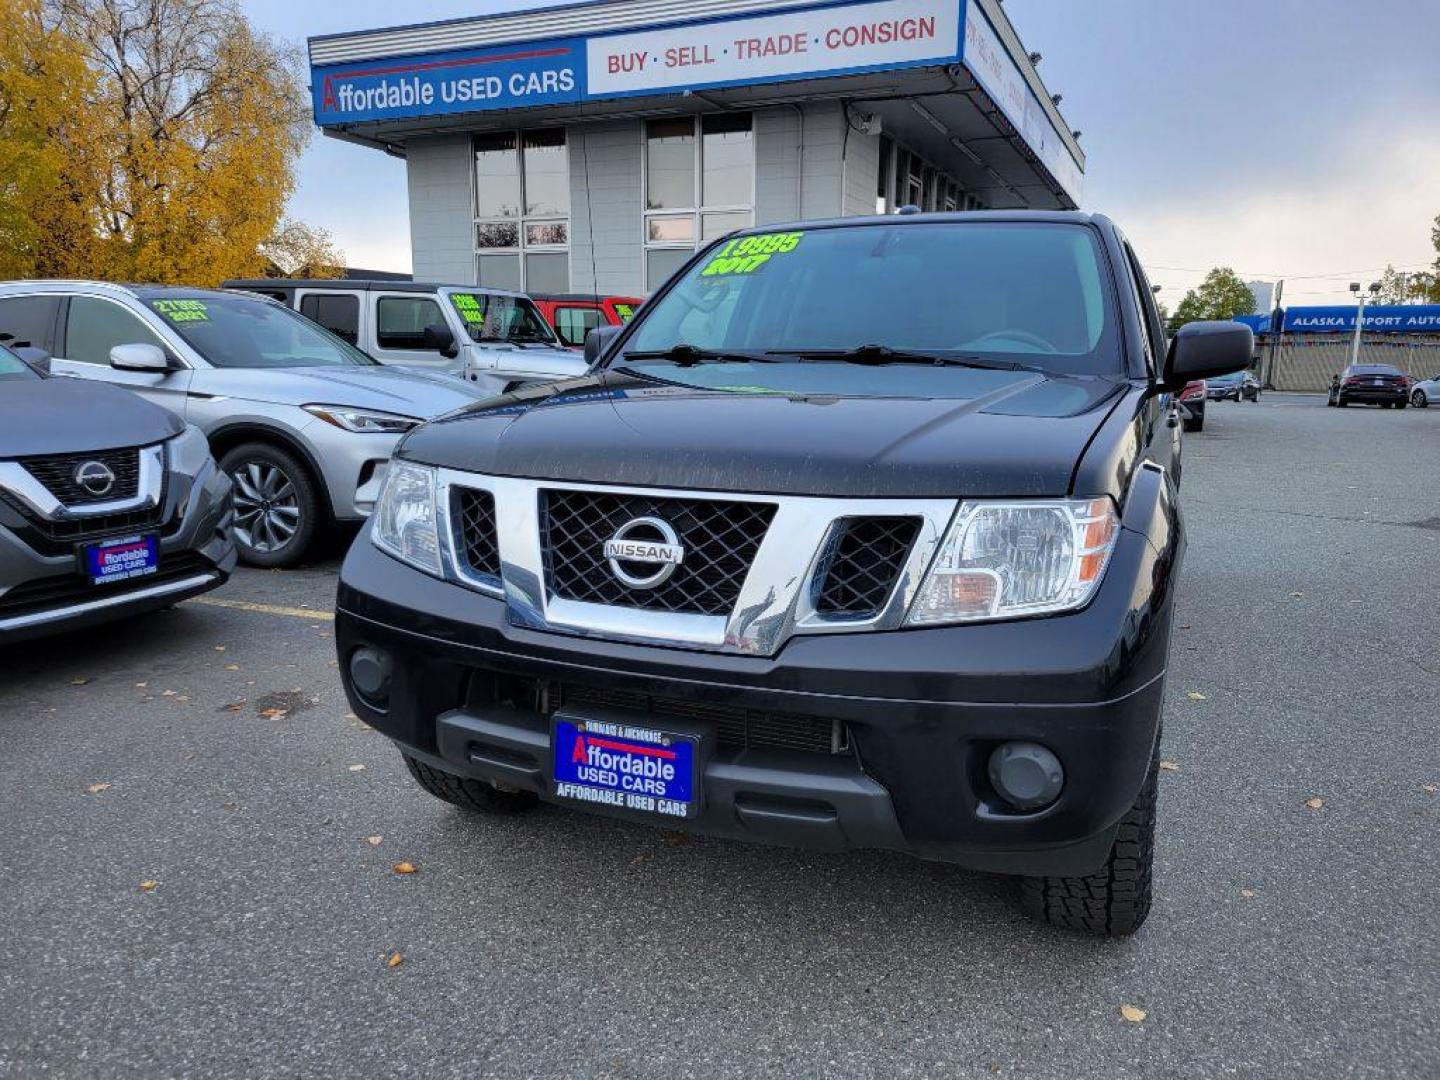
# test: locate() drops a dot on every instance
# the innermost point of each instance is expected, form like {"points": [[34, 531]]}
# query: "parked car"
{"points": [[788, 568], [574, 315], [499, 340], [1425, 392], [301, 421], [1238, 386], [1369, 384], [109, 506], [1192, 404]]}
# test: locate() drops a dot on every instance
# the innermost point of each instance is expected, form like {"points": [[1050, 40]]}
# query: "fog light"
{"points": [[1026, 775], [370, 672]]}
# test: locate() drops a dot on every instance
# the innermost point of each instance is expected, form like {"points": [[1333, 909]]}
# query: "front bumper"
{"points": [[921, 711], [42, 590]]}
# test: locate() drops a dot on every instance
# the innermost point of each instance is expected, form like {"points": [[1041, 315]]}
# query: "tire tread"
{"points": [[468, 794]]}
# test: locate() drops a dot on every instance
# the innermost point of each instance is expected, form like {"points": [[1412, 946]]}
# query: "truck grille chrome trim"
{"points": [[777, 555]]}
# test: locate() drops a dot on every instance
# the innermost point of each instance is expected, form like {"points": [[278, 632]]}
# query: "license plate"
{"points": [[630, 767], [121, 560]]}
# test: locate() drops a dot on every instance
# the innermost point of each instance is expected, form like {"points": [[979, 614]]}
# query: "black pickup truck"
{"points": [[864, 533]]}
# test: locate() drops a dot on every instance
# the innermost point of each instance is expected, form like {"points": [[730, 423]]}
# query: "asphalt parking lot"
{"points": [[197, 845]]}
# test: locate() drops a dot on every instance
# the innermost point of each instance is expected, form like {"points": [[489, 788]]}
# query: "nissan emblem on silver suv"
{"points": [[666, 552], [95, 477]]}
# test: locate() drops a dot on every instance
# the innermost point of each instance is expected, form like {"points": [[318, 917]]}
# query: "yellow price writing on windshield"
{"points": [[180, 311], [746, 254], [469, 307]]}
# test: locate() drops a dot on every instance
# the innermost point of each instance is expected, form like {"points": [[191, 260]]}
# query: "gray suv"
{"points": [[302, 422], [108, 506]]}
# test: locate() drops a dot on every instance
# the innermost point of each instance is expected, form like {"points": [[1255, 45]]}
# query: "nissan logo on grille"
{"points": [[95, 477], [644, 541]]}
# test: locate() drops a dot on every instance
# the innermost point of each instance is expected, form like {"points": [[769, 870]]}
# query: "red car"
{"points": [[1192, 405], [573, 315]]}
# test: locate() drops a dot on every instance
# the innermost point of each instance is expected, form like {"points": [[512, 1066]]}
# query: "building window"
{"points": [[699, 185], [905, 178], [522, 210]]}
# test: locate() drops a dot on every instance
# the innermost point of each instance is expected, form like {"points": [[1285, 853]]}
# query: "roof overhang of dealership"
{"points": [[950, 75]]}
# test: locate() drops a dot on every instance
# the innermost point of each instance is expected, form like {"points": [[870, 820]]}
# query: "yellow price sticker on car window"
{"points": [[470, 307], [183, 311], [747, 254], [625, 311]]}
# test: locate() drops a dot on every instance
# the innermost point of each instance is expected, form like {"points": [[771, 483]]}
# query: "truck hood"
{"points": [[72, 416], [408, 392], [1019, 435], [534, 360]]}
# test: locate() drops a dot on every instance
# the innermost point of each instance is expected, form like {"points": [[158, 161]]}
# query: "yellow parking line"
{"points": [[264, 609]]}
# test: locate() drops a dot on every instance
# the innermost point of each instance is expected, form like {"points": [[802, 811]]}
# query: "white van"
{"points": [[497, 339]]}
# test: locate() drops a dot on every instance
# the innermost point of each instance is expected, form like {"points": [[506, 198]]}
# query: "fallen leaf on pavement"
{"points": [[404, 868], [1132, 1014], [95, 789], [1248, 894], [168, 693], [1185, 626], [1195, 695], [232, 667], [1314, 803], [235, 706], [638, 859], [141, 685], [148, 886], [78, 682], [374, 841], [1429, 789], [395, 959], [357, 768], [219, 648], [1297, 594], [274, 714], [1169, 766]]}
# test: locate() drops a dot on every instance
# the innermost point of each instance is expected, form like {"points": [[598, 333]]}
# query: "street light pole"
{"points": [[1360, 317]]}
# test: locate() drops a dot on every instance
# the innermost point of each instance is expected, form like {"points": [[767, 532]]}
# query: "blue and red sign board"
{"points": [[1340, 319], [123, 559], [796, 43], [625, 766]]}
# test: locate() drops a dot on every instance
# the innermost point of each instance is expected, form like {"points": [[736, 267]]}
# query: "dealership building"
{"points": [[592, 147]]}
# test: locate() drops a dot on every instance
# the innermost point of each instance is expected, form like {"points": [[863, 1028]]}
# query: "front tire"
{"points": [[1419, 400], [1115, 900], [277, 505], [466, 793]]}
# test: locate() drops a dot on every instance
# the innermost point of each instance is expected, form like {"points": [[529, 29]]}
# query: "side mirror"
{"points": [[141, 356], [1200, 350], [598, 341], [439, 338], [36, 359]]}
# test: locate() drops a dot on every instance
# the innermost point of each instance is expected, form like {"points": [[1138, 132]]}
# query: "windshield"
{"points": [[13, 368], [490, 317], [988, 294], [244, 332]]}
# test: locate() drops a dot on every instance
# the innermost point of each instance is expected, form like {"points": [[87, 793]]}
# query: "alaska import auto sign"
{"points": [[1383, 318], [826, 40]]}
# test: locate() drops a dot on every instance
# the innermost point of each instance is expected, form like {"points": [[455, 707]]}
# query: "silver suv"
{"points": [[303, 423]]}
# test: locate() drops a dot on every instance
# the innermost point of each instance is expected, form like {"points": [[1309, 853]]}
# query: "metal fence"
{"points": [[1310, 361]]}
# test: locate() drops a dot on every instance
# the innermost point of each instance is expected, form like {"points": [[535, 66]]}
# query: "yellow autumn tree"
{"points": [[48, 170], [181, 131]]}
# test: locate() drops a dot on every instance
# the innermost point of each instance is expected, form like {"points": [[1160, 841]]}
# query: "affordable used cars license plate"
{"points": [[122, 559], [626, 766]]}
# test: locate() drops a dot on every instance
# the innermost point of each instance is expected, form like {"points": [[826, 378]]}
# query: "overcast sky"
{"points": [[1294, 139]]}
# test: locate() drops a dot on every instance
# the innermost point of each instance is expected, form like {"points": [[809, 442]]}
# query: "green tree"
{"points": [[1222, 295], [1397, 287]]}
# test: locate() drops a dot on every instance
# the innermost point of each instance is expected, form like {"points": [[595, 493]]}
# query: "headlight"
{"points": [[363, 421], [404, 523], [1006, 560], [189, 451]]}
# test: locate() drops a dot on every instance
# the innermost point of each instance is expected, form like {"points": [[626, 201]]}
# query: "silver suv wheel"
{"points": [[267, 509]]}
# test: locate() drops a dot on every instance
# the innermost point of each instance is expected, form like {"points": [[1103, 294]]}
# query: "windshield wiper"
{"points": [[690, 355], [876, 355]]}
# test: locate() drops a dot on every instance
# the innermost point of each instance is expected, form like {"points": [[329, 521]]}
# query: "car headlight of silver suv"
{"points": [[363, 421], [405, 524], [1006, 560]]}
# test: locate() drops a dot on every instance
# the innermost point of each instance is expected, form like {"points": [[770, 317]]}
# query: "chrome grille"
{"points": [[57, 474], [720, 539], [479, 547], [864, 566]]}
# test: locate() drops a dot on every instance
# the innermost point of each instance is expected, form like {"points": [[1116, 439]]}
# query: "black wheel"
{"points": [[466, 793], [1401, 404], [1195, 425], [277, 505], [1115, 900], [1387, 404], [1330, 401], [1419, 400], [1342, 403]]}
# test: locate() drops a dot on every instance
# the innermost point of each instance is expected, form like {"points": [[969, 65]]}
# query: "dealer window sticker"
{"points": [[470, 307], [747, 254], [183, 311]]}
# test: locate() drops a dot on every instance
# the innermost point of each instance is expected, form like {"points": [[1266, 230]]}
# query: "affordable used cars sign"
{"points": [[825, 40]]}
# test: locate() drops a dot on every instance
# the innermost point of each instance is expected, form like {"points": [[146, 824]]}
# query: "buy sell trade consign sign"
{"points": [[826, 40]]}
